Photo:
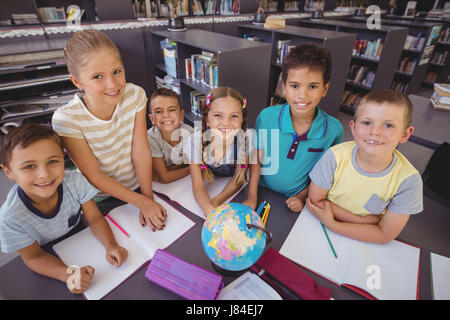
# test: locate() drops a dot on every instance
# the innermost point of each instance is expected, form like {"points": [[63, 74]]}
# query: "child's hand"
{"points": [[295, 204], [250, 203], [80, 280], [116, 255], [325, 214], [153, 214], [215, 203]]}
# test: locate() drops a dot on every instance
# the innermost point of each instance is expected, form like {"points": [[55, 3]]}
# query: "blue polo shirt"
{"points": [[288, 157]]}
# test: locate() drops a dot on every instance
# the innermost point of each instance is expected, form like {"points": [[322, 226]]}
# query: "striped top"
{"points": [[109, 140]]}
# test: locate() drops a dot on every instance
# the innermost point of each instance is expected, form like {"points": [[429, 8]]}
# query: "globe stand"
{"points": [[227, 273]]}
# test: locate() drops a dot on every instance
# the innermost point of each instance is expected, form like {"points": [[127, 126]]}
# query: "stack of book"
{"points": [[203, 68], [441, 96], [407, 65], [414, 43], [25, 18], [369, 49]]}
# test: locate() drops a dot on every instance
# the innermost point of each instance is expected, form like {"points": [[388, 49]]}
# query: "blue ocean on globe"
{"points": [[227, 240]]}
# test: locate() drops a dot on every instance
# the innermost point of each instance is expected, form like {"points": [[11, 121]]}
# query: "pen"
{"points": [[117, 225], [329, 241]]}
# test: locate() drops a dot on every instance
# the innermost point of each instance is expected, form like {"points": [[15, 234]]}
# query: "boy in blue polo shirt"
{"points": [[292, 137]]}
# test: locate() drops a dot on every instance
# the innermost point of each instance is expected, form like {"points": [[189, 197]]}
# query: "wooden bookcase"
{"points": [[339, 45], [243, 65], [440, 68], [392, 39]]}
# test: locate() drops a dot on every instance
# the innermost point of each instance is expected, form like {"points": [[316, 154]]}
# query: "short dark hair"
{"points": [[389, 96], [309, 55], [25, 135], [165, 93]]}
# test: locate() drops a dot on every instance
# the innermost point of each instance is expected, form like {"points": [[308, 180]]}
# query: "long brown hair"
{"points": [[241, 165]]}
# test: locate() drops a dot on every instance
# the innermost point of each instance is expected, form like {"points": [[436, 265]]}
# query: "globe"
{"points": [[233, 237]]}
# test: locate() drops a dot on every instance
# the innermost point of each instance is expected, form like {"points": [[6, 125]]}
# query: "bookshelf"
{"points": [[339, 45], [32, 86], [439, 65], [374, 59], [241, 64]]}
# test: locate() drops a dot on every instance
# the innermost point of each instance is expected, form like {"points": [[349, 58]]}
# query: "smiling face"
{"points": [[225, 118], [38, 169], [102, 78], [379, 128], [304, 88], [166, 114]]}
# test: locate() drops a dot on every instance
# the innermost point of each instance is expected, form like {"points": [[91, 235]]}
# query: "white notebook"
{"points": [[180, 191], [83, 248], [440, 274], [385, 271]]}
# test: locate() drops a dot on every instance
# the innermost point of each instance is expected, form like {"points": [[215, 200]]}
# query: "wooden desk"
{"points": [[432, 127], [19, 282]]}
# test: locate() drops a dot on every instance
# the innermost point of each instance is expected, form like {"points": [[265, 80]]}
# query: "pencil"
{"points": [[267, 215], [329, 241], [264, 217], [117, 225], [261, 206]]}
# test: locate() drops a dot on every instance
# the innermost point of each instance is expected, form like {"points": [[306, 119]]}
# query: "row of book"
{"points": [[369, 49], [444, 36], [400, 86], [52, 14], [350, 99], [196, 98], [284, 46], [145, 8], [271, 6], [203, 68], [229, 7], [361, 75], [431, 76], [441, 96], [290, 5], [414, 43], [407, 65], [439, 57]]}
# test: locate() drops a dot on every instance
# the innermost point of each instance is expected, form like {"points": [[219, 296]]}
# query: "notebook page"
{"points": [[440, 271], [177, 224], [181, 192], [308, 246], [84, 249], [387, 271]]}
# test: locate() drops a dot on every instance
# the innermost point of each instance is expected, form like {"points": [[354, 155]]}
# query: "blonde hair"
{"points": [[82, 44], [241, 169]]}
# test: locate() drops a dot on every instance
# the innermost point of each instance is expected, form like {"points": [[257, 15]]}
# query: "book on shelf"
{"points": [[197, 98], [169, 83], [144, 8], [414, 42], [36, 107], [290, 5], [431, 76], [376, 271], [197, 8], [439, 105], [439, 57], [25, 18], [279, 92], [229, 7], [182, 7], [444, 36], [369, 49], [163, 8], [52, 14], [407, 65], [361, 75], [441, 96], [400, 86], [350, 98], [204, 68], [283, 48], [212, 6]]}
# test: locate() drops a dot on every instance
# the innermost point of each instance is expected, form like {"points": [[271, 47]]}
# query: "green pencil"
{"points": [[329, 241]]}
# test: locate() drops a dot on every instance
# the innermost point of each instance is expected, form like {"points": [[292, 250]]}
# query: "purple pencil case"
{"points": [[185, 279]]}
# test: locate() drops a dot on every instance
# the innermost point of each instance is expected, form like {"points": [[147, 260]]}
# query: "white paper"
{"points": [[440, 271], [248, 287]]}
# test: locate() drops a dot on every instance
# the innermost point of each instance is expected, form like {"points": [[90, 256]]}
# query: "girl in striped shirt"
{"points": [[104, 127]]}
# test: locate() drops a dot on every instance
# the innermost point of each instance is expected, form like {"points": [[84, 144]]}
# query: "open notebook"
{"points": [[388, 271], [180, 191], [141, 246]]}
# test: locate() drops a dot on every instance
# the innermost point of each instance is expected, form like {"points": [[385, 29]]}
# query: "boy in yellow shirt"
{"points": [[366, 189]]}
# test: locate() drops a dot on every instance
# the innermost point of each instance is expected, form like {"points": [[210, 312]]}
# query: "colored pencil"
{"points": [[118, 226], [261, 206], [266, 215], [329, 241]]}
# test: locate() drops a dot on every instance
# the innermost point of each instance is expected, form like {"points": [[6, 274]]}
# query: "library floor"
{"points": [[425, 224]]}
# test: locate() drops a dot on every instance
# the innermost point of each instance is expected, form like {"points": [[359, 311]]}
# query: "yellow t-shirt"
{"points": [[398, 187]]}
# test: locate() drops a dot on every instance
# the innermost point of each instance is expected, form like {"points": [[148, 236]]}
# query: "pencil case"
{"points": [[185, 279]]}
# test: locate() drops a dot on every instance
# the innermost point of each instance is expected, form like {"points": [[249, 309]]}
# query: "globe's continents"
{"points": [[227, 240]]}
